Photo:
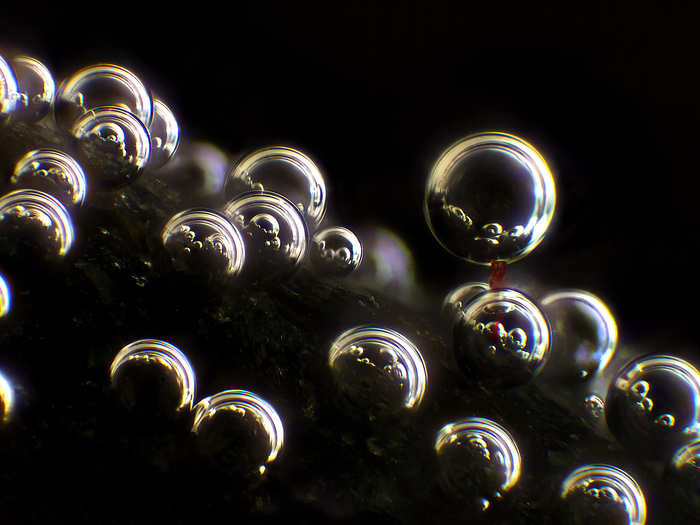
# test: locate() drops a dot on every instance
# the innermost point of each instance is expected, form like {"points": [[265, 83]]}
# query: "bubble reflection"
{"points": [[165, 135], [378, 368], [7, 399], [5, 297], [602, 494], [36, 88], [336, 251], [8, 89], [490, 196], [52, 171]]}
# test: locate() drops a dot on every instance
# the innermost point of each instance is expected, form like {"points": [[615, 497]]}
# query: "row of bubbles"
{"points": [[601, 494], [490, 197], [6, 399], [479, 460], [27, 89], [378, 370]]}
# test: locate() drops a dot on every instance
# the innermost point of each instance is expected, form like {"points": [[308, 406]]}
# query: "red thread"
{"points": [[497, 275]]}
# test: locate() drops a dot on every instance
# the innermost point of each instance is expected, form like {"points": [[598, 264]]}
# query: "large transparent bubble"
{"points": [[584, 335], [7, 398], [601, 494], [479, 460], [653, 404], [378, 370], [54, 172], [165, 135], [239, 429], [336, 251], [35, 86], [274, 231], [501, 337], [282, 170], [153, 376], [102, 85], [490, 197], [8, 89]]}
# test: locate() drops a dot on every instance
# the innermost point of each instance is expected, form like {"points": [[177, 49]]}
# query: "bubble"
{"points": [[653, 404], [490, 196], [241, 424], [683, 476], [102, 85], [7, 398], [282, 170], [8, 89], [457, 298], [50, 220], [501, 337], [479, 460], [594, 406], [202, 240], [155, 375], [584, 335], [165, 135], [336, 251], [114, 144], [54, 172], [35, 86], [274, 231], [378, 369], [5, 297], [601, 494]]}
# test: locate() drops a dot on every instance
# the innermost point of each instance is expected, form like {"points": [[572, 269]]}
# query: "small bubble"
{"points": [[594, 406], [8, 89], [490, 197], [52, 171], [165, 135], [336, 251], [35, 86]]}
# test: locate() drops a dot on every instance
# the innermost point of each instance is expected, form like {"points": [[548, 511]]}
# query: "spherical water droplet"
{"points": [[457, 298], [274, 231], [6, 399], [282, 170], [8, 89], [501, 337], [378, 369], [490, 197], [601, 494], [35, 86], [153, 376], [479, 459], [5, 297], [646, 396], [114, 145], [336, 251], [102, 85], [201, 240], [240, 421], [584, 335], [40, 212], [54, 172], [165, 135]]}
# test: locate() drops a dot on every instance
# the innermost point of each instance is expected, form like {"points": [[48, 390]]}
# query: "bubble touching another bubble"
{"points": [[8, 89], [336, 251], [54, 172], [7, 398], [601, 494], [165, 135], [457, 298], [490, 197], [36, 89]]}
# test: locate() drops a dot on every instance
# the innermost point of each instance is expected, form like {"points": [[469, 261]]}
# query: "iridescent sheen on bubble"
{"points": [[282, 170], [653, 404], [601, 494], [479, 460], [35, 86], [457, 298], [501, 337], [5, 297], [490, 197], [114, 144], [242, 422], [202, 240], [8, 89], [24, 208], [165, 135], [102, 85], [584, 334], [336, 251], [7, 398], [378, 369], [54, 172], [133, 364], [274, 231]]}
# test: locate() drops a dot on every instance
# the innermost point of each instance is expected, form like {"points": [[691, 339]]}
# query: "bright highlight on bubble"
{"points": [[501, 337], [7, 399], [282, 170], [602, 494], [457, 298], [490, 197], [54, 172], [8, 89], [584, 334], [202, 240], [653, 404], [35, 86], [102, 85], [165, 135], [378, 368], [168, 359], [479, 460], [336, 251], [230, 409], [41, 210], [5, 297]]}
